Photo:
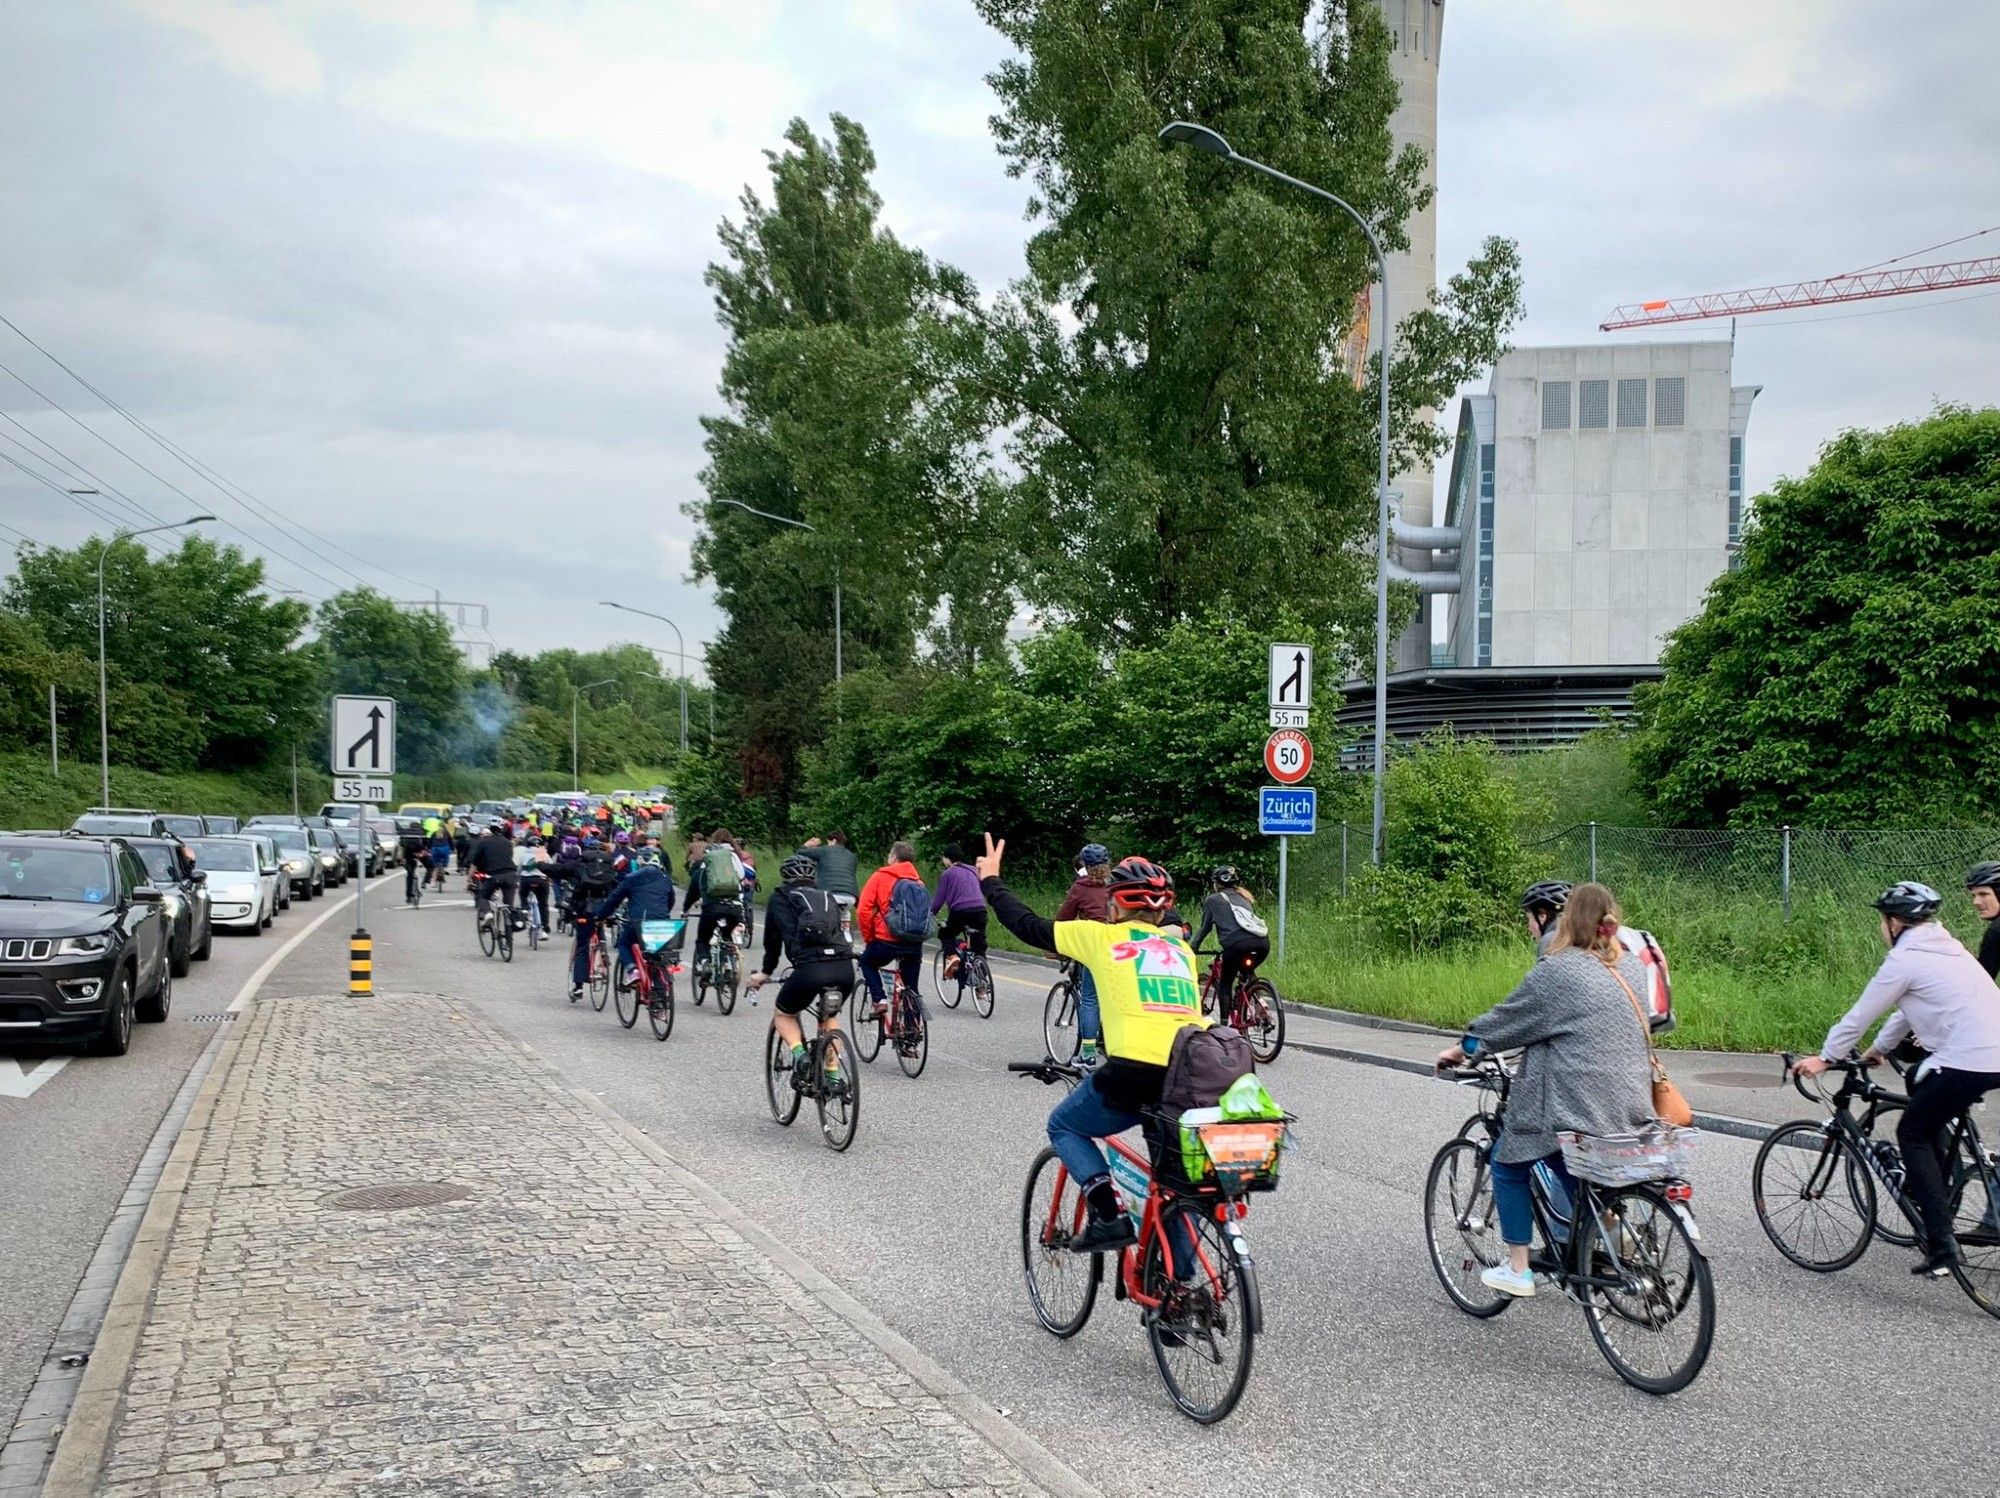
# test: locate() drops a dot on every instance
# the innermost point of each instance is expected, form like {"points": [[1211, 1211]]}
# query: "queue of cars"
{"points": [[99, 918]]}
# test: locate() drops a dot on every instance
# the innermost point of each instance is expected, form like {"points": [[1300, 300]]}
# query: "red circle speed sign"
{"points": [[1288, 755]]}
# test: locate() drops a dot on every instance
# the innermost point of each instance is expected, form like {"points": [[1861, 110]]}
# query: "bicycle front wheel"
{"points": [[778, 1089], [1462, 1227], [1656, 1328], [837, 1091], [1814, 1195], [1975, 1221], [866, 1027], [1059, 1032], [982, 986], [1204, 1331], [626, 991], [487, 937], [1062, 1286], [503, 935], [1263, 1014]]}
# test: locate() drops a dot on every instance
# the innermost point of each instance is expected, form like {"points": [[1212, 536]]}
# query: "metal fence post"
{"points": [[1593, 853], [1785, 870], [1343, 860]]}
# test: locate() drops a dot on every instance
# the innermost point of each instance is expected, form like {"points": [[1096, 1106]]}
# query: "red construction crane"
{"points": [[1859, 286]]}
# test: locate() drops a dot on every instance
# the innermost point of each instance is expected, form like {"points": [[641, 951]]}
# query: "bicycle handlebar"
{"points": [[1047, 1071]]}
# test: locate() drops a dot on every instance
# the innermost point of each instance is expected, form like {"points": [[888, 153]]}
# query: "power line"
{"points": [[78, 474], [116, 522], [235, 492]]}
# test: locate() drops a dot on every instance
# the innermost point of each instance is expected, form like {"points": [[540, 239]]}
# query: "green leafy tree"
{"points": [[28, 668], [1847, 672], [372, 648], [1171, 371]]}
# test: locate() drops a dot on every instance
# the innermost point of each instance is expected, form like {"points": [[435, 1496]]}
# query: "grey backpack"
{"points": [[1202, 1065]]}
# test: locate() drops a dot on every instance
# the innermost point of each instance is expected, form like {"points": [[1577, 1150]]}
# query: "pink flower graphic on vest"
{"points": [[1157, 957]]}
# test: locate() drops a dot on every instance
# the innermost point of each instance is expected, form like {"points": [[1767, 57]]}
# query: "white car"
{"points": [[271, 862], [242, 882]]}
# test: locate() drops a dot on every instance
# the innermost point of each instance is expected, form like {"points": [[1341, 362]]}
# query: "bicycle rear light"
{"points": [[1680, 1191]]}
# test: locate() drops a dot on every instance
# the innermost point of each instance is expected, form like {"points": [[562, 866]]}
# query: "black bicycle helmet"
{"points": [[1983, 875], [1094, 855], [1550, 895], [1224, 876], [1139, 883], [798, 869], [1910, 901]]}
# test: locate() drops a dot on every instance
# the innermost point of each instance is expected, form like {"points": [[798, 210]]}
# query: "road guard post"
{"points": [[363, 759]]}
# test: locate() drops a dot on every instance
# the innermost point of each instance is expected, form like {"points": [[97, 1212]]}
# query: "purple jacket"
{"points": [[958, 889]]}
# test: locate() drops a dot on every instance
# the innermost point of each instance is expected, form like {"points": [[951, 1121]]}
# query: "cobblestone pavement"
{"points": [[583, 1322]]}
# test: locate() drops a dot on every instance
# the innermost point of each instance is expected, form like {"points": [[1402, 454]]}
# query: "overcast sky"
{"points": [[425, 275]]}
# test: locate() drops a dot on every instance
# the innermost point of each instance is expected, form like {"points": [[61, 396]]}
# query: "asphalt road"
{"points": [[68, 1148], [1367, 1380]]}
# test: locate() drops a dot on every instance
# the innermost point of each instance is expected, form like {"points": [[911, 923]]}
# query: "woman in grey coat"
{"points": [[1584, 1063]]}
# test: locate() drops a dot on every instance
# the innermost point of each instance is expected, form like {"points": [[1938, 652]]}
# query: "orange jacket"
{"points": [[873, 910]]}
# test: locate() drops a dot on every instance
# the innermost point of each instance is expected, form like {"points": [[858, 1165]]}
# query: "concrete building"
{"points": [[1599, 491]]}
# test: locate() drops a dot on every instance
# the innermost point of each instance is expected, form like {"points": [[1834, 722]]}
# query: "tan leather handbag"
{"points": [[1668, 1102]]}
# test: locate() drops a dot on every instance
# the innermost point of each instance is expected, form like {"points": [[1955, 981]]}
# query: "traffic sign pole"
{"points": [[1284, 849]]}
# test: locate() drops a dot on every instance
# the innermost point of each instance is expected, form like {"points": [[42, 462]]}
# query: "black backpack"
{"points": [[817, 930], [595, 869]]}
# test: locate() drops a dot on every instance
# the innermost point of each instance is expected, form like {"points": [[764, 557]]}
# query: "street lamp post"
{"points": [[648, 614], [103, 700], [575, 697], [1204, 139], [787, 520]]}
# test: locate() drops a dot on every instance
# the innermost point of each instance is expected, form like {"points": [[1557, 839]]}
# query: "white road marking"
{"points": [[21, 1078]]}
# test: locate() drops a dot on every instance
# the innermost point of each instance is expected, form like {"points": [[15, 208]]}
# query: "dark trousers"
{"points": [[909, 959], [971, 922], [714, 913], [1934, 1103], [1240, 958]]}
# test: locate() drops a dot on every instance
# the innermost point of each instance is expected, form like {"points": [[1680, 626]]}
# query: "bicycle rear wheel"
{"points": [[778, 1089], [626, 992], [948, 989], [660, 1002], [1263, 1014], [1814, 1196], [600, 980], [1975, 1221], [837, 1091], [1204, 1333], [1655, 1329], [1462, 1226], [913, 1043], [1062, 1286], [1059, 1029], [723, 965], [982, 986]]}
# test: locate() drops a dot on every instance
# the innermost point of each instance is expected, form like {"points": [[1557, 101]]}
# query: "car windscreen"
{"points": [[158, 858], [51, 871], [113, 826], [221, 824], [214, 854], [291, 838], [184, 826]]}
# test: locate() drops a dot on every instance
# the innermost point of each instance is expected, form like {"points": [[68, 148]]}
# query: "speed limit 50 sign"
{"points": [[1288, 755]]}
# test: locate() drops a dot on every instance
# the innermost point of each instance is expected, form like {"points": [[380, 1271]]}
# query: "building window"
{"points": [[1631, 403], [1670, 401], [1735, 498], [1555, 405], [1593, 405], [1482, 634]]}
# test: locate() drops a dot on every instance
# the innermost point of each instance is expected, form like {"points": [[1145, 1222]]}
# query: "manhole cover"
{"points": [[396, 1195], [1741, 1078]]}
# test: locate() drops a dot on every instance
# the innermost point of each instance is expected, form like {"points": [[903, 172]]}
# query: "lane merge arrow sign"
{"points": [[364, 736], [1291, 676]]}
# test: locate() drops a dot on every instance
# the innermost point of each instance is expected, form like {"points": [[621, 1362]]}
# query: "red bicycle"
{"points": [[905, 1027], [649, 984], [1254, 1008], [1201, 1317]]}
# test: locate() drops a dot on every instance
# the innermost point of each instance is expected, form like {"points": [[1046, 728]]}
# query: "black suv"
{"points": [[186, 891], [83, 941]]}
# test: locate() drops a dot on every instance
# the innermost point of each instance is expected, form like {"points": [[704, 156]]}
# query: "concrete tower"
{"points": [[1416, 30]]}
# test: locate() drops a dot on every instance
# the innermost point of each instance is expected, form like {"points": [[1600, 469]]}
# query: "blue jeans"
{"points": [[1078, 1122], [1088, 1025], [1513, 1196], [908, 957]]}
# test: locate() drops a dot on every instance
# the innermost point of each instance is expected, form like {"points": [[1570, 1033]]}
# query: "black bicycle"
{"points": [[1628, 1252], [973, 973], [1059, 1014], [828, 1076], [1817, 1184]]}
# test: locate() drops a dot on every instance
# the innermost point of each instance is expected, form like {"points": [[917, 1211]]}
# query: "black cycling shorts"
{"points": [[797, 992]]}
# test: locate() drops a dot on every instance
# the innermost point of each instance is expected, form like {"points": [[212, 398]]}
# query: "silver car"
{"points": [[242, 883]]}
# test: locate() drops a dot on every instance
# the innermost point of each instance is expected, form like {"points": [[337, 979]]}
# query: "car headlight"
{"points": [[173, 902], [295, 866], [84, 946]]}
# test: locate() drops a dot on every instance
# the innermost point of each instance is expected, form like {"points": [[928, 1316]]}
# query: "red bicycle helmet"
{"points": [[1141, 884]]}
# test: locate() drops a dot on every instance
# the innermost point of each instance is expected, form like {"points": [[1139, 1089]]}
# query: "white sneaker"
{"points": [[1503, 1278]]}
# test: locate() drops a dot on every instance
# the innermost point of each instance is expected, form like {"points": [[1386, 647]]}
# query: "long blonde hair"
{"points": [[1589, 924]]}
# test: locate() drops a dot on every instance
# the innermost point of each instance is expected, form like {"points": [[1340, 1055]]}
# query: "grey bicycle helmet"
{"points": [[1910, 901], [798, 869], [1983, 875], [1224, 876], [1094, 855], [1550, 894]]}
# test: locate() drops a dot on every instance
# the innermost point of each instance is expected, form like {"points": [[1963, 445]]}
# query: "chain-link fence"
{"points": [[1785, 866]]}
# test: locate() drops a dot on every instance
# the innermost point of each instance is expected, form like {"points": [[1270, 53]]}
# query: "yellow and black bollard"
{"points": [[361, 963]]}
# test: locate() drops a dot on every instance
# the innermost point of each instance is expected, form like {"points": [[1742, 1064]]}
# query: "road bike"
{"points": [[533, 907], [828, 1076], [1059, 1014], [1254, 1008], [1817, 1184], [603, 942], [747, 924], [649, 984], [1628, 1251], [721, 975], [974, 972], [904, 1026], [494, 918], [1190, 1273]]}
